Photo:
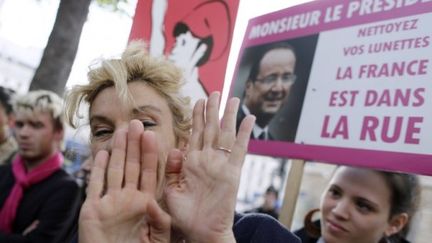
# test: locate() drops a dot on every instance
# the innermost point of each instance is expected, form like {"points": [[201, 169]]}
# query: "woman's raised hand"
{"points": [[121, 205], [202, 184]]}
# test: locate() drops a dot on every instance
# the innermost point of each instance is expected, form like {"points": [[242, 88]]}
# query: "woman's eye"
{"points": [[334, 192], [148, 124], [101, 132], [364, 207]]}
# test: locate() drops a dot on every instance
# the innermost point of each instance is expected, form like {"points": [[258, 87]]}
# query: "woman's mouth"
{"points": [[334, 227]]}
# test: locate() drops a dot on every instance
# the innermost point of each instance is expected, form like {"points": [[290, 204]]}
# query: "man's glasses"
{"points": [[287, 78]]}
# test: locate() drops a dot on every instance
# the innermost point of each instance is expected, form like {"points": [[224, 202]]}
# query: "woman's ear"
{"points": [[396, 224]]}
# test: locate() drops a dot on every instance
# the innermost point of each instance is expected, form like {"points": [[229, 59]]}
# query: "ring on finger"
{"points": [[224, 149]]}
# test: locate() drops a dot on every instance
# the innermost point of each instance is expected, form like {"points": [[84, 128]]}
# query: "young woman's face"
{"points": [[355, 207], [107, 115]]}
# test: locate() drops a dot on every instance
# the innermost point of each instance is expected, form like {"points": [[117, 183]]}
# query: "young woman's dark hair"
{"points": [[405, 198]]}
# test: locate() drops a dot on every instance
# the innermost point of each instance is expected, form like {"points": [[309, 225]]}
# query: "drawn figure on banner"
{"points": [[268, 86], [201, 36]]}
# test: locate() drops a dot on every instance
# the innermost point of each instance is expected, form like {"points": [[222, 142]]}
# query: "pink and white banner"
{"points": [[363, 93]]}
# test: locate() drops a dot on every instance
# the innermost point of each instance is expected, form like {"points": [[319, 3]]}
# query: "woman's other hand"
{"points": [[202, 185]]}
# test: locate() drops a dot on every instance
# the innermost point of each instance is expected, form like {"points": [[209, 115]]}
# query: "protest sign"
{"points": [[363, 90]]}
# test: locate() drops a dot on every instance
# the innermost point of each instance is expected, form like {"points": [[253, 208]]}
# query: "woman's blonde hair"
{"points": [[135, 65]]}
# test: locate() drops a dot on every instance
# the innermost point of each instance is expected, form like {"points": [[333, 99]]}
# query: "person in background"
{"points": [[364, 205], [8, 145], [82, 175], [269, 204], [268, 86], [38, 199], [153, 178]]}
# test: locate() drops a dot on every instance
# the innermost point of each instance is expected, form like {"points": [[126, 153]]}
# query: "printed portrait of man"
{"points": [[267, 87], [271, 82]]}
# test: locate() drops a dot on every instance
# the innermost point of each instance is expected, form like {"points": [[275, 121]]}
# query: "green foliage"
{"points": [[113, 5]]}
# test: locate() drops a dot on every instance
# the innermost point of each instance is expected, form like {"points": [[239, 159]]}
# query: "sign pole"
{"points": [[291, 192]]}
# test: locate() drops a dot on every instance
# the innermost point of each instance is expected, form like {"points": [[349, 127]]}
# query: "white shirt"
{"points": [[257, 130]]}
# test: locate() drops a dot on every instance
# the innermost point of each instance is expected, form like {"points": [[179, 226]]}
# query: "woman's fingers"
{"points": [[240, 146], [97, 176], [228, 124], [173, 167], [132, 170], [149, 162], [117, 161], [195, 141], [211, 131]]}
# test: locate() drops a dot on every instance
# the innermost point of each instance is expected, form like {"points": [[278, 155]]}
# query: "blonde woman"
{"points": [[154, 180]]}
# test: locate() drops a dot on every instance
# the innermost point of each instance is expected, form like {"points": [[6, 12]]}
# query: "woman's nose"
{"points": [[341, 209]]}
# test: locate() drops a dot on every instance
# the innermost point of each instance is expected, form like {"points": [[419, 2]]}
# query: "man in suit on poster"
{"points": [[268, 86]]}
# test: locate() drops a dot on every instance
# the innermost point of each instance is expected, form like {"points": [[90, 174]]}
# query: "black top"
{"points": [[306, 238], [261, 228], [54, 202], [271, 212]]}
